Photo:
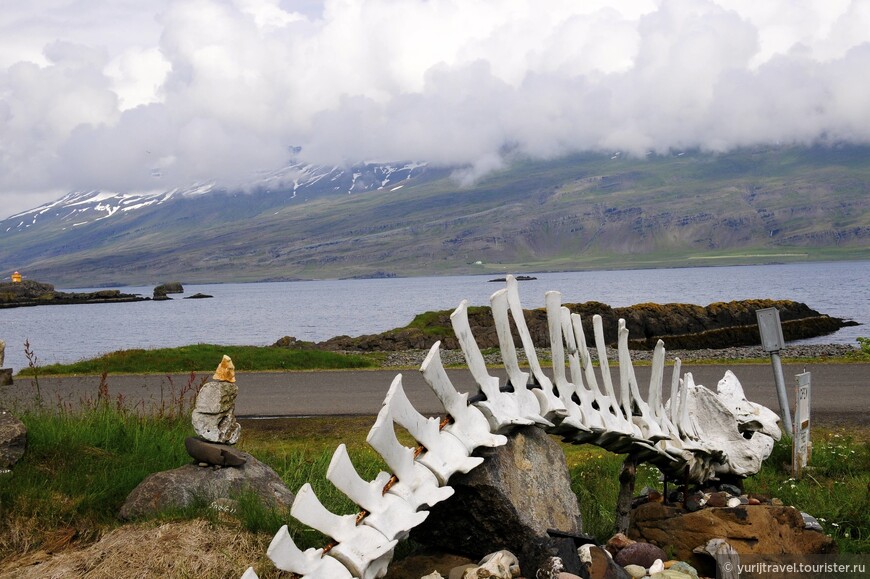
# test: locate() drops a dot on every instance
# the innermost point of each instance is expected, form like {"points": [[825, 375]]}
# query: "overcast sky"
{"points": [[126, 95]]}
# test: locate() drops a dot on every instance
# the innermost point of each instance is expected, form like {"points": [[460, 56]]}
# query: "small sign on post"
{"points": [[772, 342], [802, 447]]}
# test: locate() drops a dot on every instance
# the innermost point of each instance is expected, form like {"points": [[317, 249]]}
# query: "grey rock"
{"points": [[212, 417], [812, 523], [509, 502], [635, 571], [191, 484], [732, 490], [2, 352], [212, 453], [683, 567], [13, 439]]}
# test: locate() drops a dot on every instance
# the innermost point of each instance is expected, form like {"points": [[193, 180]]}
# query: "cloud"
{"points": [[109, 96]]}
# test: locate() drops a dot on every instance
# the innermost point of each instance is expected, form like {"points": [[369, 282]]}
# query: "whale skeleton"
{"points": [[696, 435]]}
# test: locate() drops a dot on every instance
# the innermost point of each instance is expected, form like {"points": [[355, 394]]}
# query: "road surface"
{"points": [[840, 395]]}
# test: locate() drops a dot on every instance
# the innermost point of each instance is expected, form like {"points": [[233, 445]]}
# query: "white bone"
{"points": [[469, 424], [527, 403], [444, 454], [591, 418], [699, 433], [624, 425], [311, 563], [648, 425], [387, 513], [359, 546], [551, 406], [417, 485], [250, 574], [498, 408], [566, 390]]}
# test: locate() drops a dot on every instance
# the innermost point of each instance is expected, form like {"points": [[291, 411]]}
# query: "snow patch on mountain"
{"points": [[80, 208]]}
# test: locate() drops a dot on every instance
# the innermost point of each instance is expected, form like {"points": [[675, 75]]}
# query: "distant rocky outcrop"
{"points": [[172, 287], [681, 326], [198, 296], [34, 293]]}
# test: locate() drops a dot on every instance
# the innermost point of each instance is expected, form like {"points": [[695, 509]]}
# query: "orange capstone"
{"points": [[225, 372]]}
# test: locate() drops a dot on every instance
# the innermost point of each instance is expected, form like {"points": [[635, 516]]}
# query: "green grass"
{"points": [[203, 357], [80, 466]]}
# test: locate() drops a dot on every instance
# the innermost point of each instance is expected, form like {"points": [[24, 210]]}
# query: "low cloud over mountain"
{"points": [[135, 97]]}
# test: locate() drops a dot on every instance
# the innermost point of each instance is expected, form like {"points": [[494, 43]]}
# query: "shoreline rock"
{"points": [[30, 293], [681, 326]]}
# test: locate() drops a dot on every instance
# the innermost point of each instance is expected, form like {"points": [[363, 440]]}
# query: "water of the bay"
{"points": [[260, 313]]}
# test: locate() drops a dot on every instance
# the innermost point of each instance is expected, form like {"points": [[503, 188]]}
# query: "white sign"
{"points": [[802, 446]]}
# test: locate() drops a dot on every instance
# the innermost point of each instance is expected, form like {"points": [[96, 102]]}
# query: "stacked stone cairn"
{"points": [[219, 472], [214, 420]]}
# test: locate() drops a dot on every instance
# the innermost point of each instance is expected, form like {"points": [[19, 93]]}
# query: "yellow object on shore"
{"points": [[16, 277]]}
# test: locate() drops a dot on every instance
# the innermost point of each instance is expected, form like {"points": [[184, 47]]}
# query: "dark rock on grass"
{"points": [[511, 501], [13, 439], [192, 484]]}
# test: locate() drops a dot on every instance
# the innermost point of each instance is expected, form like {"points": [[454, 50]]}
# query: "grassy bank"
{"points": [[80, 467], [201, 358]]}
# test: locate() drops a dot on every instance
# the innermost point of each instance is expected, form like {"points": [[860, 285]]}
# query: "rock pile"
{"points": [[750, 524]]}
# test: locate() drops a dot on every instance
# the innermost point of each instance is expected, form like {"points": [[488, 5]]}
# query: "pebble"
{"points": [[657, 567], [635, 571], [413, 358], [643, 554], [731, 490]]}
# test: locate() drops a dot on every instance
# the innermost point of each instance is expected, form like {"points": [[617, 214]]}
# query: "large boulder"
{"points": [[13, 439], [749, 529], [192, 484], [521, 491]]}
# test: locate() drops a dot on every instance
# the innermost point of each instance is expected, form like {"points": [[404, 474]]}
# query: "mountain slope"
{"points": [[583, 211]]}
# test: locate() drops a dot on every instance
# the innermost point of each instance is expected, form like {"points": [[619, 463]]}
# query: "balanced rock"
{"points": [[213, 453], [192, 484], [750, 530], [510, 502], [13, 439], [213, 415]]}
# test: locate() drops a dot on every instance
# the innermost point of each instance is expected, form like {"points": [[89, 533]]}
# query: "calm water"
{"points": [[259, 314]]}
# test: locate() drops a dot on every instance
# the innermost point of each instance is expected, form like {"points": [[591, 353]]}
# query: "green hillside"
{"points": [[587, 211]]}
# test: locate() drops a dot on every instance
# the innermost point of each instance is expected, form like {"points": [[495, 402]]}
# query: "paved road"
{"points": [[841, 392]]}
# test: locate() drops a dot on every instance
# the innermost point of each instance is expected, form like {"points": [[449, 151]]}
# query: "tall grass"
{"points": [[80, 466]]}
